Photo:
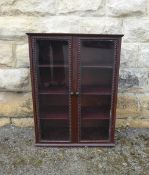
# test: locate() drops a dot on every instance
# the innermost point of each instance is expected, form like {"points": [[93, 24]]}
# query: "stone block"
{"points": [[15, 104], [127, 106], [22, 56], [51, 7], [75, 24], [125, 8], [144, 123], [6, 54], [144, 105], [14, 79], [129, 55], [32, 7], [136, 29], [134, 123], [22, 122], [16, 26], [100, 25], [4, 121], [80, 7], [58, 24], [134, 80], [121, 123], [143, 58]]}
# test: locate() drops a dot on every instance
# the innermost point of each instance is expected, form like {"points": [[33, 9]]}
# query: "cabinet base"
{"points": [[75, 144]]}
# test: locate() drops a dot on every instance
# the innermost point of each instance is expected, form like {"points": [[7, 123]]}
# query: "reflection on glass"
{"points": [[53, 73], [97, 52], [96, 78], [95, 130], [54, 130], [53, 80], [53, 104], [53, 52], [97, 58], [98, 105], [53, 64]]}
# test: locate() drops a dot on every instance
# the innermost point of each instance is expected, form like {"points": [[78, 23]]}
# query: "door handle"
{"points": [[72, 93], [77, 93]]}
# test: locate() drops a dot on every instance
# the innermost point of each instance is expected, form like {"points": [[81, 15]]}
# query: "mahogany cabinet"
{"points": [[74, 87]]}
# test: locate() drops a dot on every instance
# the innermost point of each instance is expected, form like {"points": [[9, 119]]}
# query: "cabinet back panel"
{"points": [[53, 51], [97, 52]]}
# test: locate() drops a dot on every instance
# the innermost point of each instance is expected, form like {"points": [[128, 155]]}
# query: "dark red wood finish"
{"points": [[78, 95]]}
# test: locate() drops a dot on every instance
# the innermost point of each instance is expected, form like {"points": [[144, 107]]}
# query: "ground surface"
{"points": [[19, 156]]}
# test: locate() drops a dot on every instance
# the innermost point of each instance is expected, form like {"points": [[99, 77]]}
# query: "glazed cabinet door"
{"points": [[95, 77], [51, 67]]}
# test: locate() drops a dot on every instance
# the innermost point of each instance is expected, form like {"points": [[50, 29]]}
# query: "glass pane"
{"points": [[53, 52], [97, 52], [95, 130], [96, 70], [52, 105], [95, 106], [53, 87], [53, 78], [54, 130], [96, 79]]}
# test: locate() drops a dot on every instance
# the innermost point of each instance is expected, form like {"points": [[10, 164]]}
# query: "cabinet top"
{"points": [[74, 34]]}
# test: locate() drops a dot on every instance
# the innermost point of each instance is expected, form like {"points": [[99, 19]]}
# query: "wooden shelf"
{"points": [[91, 116], [98, 66], [96, 91], [49, 65], [60, 116], [58, 91]]}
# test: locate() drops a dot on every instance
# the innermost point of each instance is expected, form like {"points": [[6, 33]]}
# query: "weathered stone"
{"points": [[17, 26], [6, 54], [125, 8], [80, 7], [136, 29], [143, 59], [121, 123], [127, 106], [135, 123], [58, 24], [129, 55], [79, 25], [138, 123], [100, 25], [148, 8], [32, 7], [134, 79], [75, 24], [38, 7], [14, 79], [14, 27], [22, 55], [4, 121], [15, 104], [144, 105], [22, 122]]}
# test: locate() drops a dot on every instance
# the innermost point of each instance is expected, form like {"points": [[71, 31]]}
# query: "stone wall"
{"points": [[130, 18]]}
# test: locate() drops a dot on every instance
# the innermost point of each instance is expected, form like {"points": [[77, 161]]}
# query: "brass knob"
{"points": [[77, 93]]}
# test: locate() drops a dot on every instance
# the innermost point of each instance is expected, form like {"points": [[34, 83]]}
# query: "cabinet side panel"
{"points": [[115, 86], [32, 71]]}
